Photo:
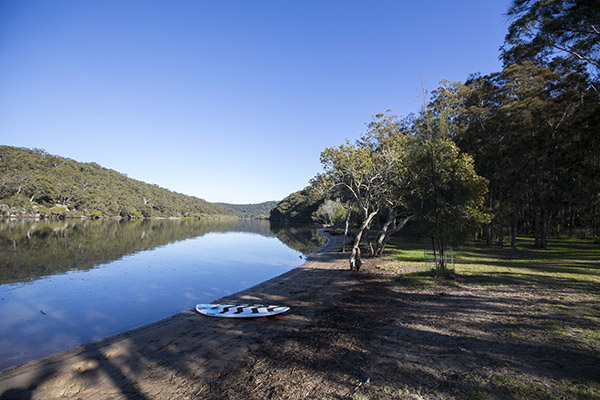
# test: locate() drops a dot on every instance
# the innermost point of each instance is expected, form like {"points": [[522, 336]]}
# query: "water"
{"points": [[66, 283]]}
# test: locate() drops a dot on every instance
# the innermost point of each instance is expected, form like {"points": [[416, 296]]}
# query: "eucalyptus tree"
{"points": [[330, 212], [546, 29], [363, 171], [410, 170], [353, 169], [388, 136], [543, 28]]}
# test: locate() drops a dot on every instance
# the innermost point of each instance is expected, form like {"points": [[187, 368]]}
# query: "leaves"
{"points": [[544, 29]]}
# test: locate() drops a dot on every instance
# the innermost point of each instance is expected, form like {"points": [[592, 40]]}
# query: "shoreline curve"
{"points": [[145, 359]]}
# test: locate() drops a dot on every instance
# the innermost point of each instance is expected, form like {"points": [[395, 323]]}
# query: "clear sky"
{"points": [[230, 101]]}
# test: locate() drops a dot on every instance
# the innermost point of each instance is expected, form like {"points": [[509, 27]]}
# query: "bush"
{"points": [[135, 215], [96, 214]]}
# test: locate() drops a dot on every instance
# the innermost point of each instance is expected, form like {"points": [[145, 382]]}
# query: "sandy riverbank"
{"points": [[182, 352]]}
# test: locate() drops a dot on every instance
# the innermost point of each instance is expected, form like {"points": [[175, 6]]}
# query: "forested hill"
{"points": [[260, 210], [35, 182], [298, 206]]}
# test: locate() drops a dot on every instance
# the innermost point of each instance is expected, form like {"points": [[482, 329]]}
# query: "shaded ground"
{"points": [[364, 336]]}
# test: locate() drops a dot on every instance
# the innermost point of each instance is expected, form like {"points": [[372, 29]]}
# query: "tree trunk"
{"points": [[433, 246], [384, 229], [545, 220], [368, 244], [489, 227], [442, 258], [355, 261], [515, 223], [346, 229], [536, 229], [571, 222], [500, 217], [391, 232], [493, 222]]}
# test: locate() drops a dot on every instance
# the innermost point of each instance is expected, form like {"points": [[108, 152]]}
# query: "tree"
{"points": [[330, 212], [544, 29], [353, 170], [388, 137], [445, 191], [33, 180]]}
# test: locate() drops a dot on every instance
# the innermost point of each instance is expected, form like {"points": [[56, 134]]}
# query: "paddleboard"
{"points": [[239, 310]]}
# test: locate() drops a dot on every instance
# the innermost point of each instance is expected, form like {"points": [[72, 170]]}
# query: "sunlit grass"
{"points": [[563, 259]]}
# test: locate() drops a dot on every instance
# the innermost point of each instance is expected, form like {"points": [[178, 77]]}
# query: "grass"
{"points": [[390, 392], [565, 259], [491, 387], [520, 387], [557, 296], [422, 278]]}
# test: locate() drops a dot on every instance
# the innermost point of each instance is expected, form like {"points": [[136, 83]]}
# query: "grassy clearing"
{"points": [[543, 303], [566, 259]]}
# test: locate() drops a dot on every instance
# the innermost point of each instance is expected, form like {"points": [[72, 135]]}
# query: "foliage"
{"points": [[35, 182], [533, 132], [444, 189], [298, 206], [260, 210], [543, 29], [407, 169]]}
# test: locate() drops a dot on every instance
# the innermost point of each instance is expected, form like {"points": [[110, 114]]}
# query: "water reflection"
{"points": [[33, 249], [70, 282], [302, 238]]}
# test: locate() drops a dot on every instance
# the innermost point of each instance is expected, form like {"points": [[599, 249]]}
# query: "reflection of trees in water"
{"points": [[33, 249], [302, 238]]}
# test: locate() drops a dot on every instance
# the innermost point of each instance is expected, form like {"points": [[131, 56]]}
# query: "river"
{"points": [[66, 283]]}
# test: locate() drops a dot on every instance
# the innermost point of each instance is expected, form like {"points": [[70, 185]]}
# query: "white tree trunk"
{"points": [[355, 261]]}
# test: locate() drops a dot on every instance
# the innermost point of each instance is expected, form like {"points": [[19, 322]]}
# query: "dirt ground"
{"points": [[348, 335]]}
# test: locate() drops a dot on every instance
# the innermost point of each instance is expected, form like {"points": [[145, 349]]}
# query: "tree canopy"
{"points": [[544, 29]]}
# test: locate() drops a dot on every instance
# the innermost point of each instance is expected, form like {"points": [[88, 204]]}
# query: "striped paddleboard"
{"points": [[239, 310]]}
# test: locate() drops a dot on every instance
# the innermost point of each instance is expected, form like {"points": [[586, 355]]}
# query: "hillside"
{"points": [[297, 207], [260, 210], [33, 182]]}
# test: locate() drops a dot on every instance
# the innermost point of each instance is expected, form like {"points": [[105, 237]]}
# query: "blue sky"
{"points": [[229, 101]]}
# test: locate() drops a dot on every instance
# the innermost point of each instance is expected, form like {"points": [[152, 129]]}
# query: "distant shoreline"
{"points": [[116, 218]]}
